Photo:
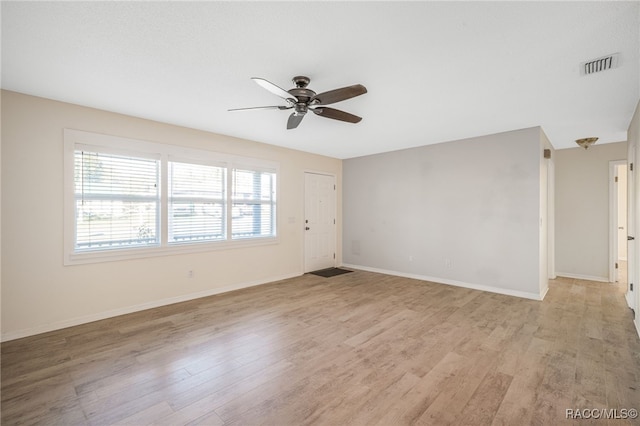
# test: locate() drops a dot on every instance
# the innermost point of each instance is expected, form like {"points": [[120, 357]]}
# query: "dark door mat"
{"points": [[330, 272]]}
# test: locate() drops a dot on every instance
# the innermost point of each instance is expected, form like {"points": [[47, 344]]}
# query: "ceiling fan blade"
{"points": [[337, 95], [336, 114], [278, 91], [261, 107], [294, 121]]}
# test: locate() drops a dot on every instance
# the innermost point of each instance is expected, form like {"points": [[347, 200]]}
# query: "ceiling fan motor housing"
{"points": [[302, 95]]}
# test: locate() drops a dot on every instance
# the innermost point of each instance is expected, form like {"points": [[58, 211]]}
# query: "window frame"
{"points": [[165, 152], [170, 199], [258, 202], [123, 197]]}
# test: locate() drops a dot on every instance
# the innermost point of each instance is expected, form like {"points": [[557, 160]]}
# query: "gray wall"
{"points": [[465, 212], [582, 210]]}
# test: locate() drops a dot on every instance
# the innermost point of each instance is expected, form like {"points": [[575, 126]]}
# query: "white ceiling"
{"points": [[435, 71]]}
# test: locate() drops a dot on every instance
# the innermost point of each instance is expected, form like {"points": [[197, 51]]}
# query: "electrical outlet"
{"points": [[447, 263], [410, 258], [190, 273]]}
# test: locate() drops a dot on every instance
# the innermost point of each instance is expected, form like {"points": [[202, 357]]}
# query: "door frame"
{"points": [[304, 215], [613, 218], [551, 220]]}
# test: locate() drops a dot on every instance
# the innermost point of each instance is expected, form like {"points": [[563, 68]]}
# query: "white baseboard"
{"points": [[583, 277], [544, 294], [491, 289], [12, 335], [637, 323], [628, 296]]}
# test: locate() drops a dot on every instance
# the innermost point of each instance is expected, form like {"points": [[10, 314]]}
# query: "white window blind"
{"points": [[253, 210], [116, 201], [128, 199], [197, 202]]}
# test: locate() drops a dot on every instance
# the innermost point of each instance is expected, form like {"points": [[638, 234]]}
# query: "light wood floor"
{"points": [[359, 349]]}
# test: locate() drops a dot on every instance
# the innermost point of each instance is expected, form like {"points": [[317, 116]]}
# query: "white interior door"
{"points": [[618, 218], [320, 222], [621, 174]]}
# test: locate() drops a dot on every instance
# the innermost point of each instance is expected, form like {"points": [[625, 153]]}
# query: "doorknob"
{"points": [[630, 238]]}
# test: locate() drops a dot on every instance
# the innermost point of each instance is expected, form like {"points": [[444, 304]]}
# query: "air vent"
{"points": [[599, 65]]}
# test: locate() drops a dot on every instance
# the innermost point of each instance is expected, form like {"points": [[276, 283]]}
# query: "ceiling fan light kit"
{"points": [[302, 100]]}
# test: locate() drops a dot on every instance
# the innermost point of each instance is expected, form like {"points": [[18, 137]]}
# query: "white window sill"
{"points": [[169, 250]]}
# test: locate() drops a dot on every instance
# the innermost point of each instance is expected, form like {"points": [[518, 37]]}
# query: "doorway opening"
{"points": [[618, 222]]}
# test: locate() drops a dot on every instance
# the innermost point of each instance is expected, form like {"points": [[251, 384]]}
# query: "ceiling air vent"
{"points": [[599, 65]]}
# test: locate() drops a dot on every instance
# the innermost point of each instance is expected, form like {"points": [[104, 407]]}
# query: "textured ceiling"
{"points": [[435, 71]]}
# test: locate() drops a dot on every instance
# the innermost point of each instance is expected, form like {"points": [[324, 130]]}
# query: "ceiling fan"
{"points": [[301, 100]]}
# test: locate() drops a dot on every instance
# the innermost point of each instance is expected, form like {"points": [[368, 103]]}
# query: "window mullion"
{"points": [[229, 203], [164, 201]]}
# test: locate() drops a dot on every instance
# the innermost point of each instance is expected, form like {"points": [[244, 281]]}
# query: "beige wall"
{"points": [[582, 210], [40, 294]]}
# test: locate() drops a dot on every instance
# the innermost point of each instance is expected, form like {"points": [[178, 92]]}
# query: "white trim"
{"points": [[637, 323], [163, 152], [481, 287], [628, 296], [613, 221], [613, 218], [12, 335], [544, 294], [583, 277], [551, 222], [170, 250], [129, 145]]}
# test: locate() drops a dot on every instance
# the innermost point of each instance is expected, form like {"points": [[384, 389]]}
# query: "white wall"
{"points": [[582, 210], [464, 212], [546, 212], [633, 256], [0, 207], [40, 294]]}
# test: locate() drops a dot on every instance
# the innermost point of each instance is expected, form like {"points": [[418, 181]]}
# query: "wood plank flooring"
{"points": [[356, 349]]}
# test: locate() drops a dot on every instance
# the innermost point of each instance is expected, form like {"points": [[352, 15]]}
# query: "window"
{"points": [[117, 201], [197, 202], [254, 204], [127, 198]]}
